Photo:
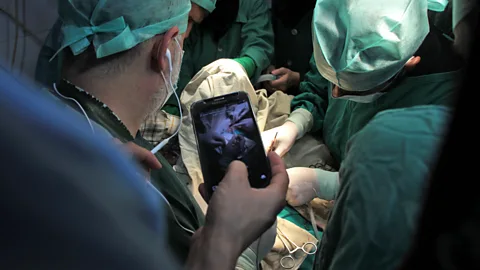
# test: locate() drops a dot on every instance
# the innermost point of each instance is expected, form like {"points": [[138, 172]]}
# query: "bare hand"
{"points": [[286, 80], [142, 156], [239, 213], [268, 85]]}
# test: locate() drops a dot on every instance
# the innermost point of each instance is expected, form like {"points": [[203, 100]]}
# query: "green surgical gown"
{"points": [[383, 178], [337, 120]]}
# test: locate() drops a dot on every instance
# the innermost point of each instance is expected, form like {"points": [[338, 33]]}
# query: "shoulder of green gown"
{"points": [[247, 6]]}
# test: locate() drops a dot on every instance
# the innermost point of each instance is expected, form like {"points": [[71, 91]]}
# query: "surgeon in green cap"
{"points": [[383, 178], [380, 55], [48, 68], [375, 60], [238, 29], [118, 63]]}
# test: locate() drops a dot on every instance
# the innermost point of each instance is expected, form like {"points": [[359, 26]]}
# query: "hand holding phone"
{"points": [[226, 131], [238, 213]]}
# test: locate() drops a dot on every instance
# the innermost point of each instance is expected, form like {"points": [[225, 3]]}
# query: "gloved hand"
{"points": [[287, 79], [286, 136], [307, 184]]}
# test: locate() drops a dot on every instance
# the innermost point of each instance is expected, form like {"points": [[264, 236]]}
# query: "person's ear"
{"points": [[412, 62], [159, 49]]}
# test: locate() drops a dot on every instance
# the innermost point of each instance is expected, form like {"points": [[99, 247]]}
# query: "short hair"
{"points": [[112, 64]]}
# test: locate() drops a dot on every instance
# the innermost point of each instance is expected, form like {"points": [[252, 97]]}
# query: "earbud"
{"points": [[169, 57]]}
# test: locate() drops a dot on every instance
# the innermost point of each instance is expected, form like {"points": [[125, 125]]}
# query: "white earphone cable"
{"points": [[150, 184], [169, 206], [78, 104]]}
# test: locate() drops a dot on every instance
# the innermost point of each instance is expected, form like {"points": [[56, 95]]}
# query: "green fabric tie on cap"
{"points": [[115, 26]]}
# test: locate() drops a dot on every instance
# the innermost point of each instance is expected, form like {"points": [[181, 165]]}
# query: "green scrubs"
{"points": [[182, 202], [250, 36], [293, 44], [337, 120], [383, 179]]}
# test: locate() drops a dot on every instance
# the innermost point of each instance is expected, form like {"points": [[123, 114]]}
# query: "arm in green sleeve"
{"points": [[382, 188], [257, 36], [313, 98], [327, 183], [248, 64]]}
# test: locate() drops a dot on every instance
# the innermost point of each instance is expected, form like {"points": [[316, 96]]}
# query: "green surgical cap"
{"points": [[114, 26], [360, 44], [208, 5]]}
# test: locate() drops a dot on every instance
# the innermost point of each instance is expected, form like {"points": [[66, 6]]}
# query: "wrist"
{"points": [[303, 121], [291, 126], [214, 250]]}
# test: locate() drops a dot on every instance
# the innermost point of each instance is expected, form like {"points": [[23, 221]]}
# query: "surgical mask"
{"points": [[362, 99]]}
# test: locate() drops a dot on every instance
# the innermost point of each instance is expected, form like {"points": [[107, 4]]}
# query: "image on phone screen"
{"points": [[226, 133]]}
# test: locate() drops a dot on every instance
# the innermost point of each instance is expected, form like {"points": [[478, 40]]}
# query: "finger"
{"points": [[280, 83], [282, 80], [280, 71], [280, 179], [117, 141], [280, 149], [218, 137], [203, 192], [270, 69], [237, 171], [217, 143], [144, 156], [196, 235]]}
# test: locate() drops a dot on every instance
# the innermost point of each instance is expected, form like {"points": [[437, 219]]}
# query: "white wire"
{"points": [[150, 184], [164, 142], [78, 104], [160, 146], [155, 150]]}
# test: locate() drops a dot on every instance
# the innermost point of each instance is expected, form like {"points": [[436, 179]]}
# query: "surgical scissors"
{"points": [[288, 261]]}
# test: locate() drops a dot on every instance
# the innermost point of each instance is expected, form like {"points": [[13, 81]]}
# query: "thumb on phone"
{"points": [[237, 171]]}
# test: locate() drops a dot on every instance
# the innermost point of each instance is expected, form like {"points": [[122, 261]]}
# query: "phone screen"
{"points": [[227, 132]]}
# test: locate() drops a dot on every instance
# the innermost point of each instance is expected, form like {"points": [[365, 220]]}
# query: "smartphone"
{"points": [[226, 130]]}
